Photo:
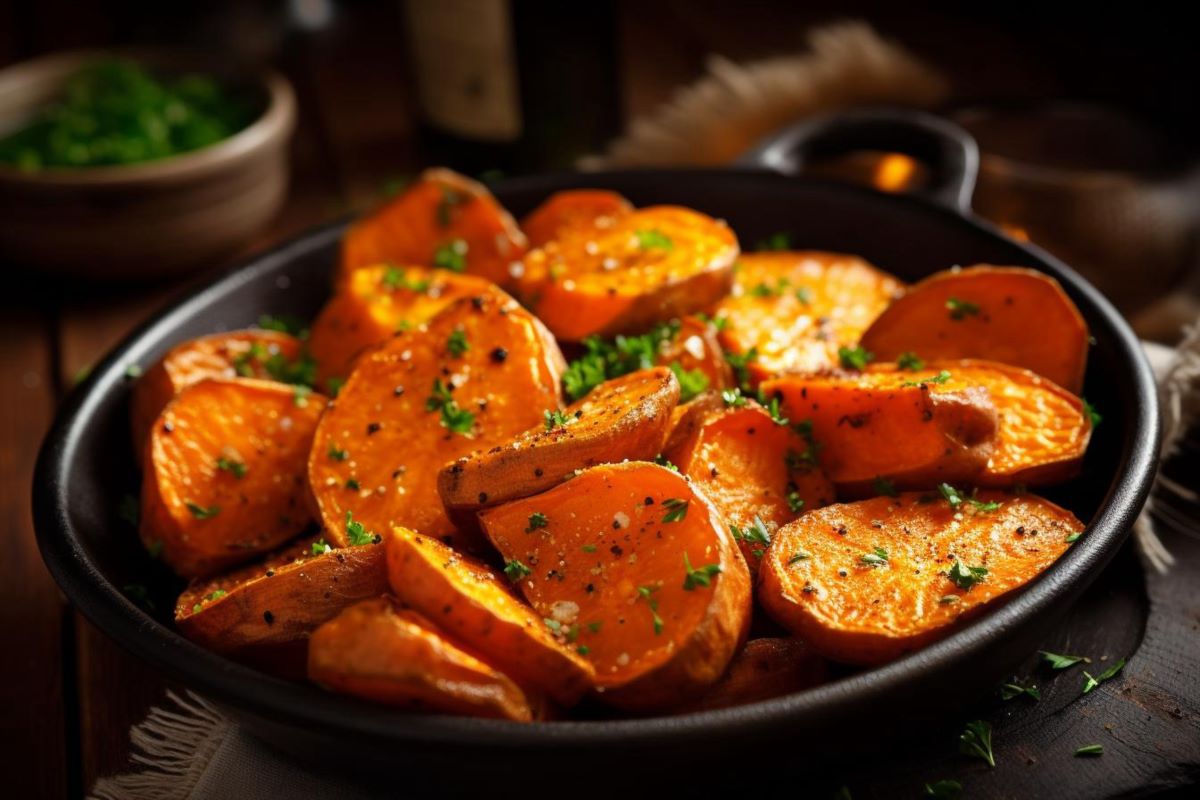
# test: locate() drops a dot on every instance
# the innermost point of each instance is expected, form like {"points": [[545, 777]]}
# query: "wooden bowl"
{"points": [[151, 219]]}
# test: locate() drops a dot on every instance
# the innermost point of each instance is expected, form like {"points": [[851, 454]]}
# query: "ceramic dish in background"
{"points": [[154, 218]]}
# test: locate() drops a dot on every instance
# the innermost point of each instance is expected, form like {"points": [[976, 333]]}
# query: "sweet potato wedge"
{"points": [[269, 355], [794, 310], [649, 266], [373, 304], [268, 606], [636, 566], [766, 668], [475, 606], [866, 582], [892, 425], [625, 418], [588, 209], [1008, 314], [1042, 429], [379, 652], [478, 374], [441, 220], [755, 473], [224, 473], [695, 350]]}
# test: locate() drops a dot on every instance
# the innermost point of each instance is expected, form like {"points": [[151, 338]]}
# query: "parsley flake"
{"points": [[733, 398], [320, 547], [691, 381], [653, 239], [200, 512], [965, 577], [457, 344], [701, 576], [555, 418], [676, 509], [976, 741], [358, 534], [1090, 750], [452, 256], [1091, 683], [647, 593], [1057, 661], [961, 309], [236, 468], [514, 570], [855, 358], [876, 558], [910, 362], [537, 520]]}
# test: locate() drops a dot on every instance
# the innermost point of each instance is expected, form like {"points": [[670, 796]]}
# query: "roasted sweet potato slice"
{"points": [[766, 668], [649, 266], [1042, 429], [269, 355], [481, 372], [792, 311], [622, 419], [1008, 314], [376, 651], [866, 582], [693, 352], [754, 471], [260, 610], [441, 220], [224, 473], [373, 304], [898, 426], [634, 564], [475, 606], [587, 209]]}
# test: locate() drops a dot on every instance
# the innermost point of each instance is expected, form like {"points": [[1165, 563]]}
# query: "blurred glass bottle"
{"points": [[513, 85]]}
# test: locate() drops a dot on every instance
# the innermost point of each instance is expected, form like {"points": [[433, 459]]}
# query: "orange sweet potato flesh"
{"points": [[766, 668], [752, 469], [441, 209], [376, 302], [1008, 314], [1042, 429], [377, 651], [604, 556], [696, 348], [824, 579], [649, 266], [419, 402], [280, 600], [795, 309], [222, 355], [624, 418], [890, 425], [588, 209], [224, 473], [475, 606]]}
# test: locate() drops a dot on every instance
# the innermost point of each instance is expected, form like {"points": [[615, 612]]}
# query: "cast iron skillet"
{"points": [[85, 468]]}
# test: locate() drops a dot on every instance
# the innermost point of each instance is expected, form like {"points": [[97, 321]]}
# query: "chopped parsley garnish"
{"points": [[983, 508], [909, 361], [352, 483], [514, 570], [676, 509], [453, 418], [1090, 750], [949, 599], [755, 533], [1090, 411], [961, 309], [335, 453], [200, 512], [884, 487], [798, 557], [1072, 538], [941, 377], [740, 363], [663, 461], [394, 278], [457, 344], [951, 494], [804, 295], [795, 502], [855, 358], [947, 789], [800, 462], [718, 323], [604, 359], [653, 239], [537, 520], [776, 241], [236, 468], [300, 395], [976, 741], [691, 381], [647, 593], [773, 409], [965, 577], [583, 649], [555, 418], [320, 547], [1057, 661], [284, 323], [1010, 690], [698, 577], [452, 256], [588, 548], [133, 371], [357, 534], [733, 398], [1091, 683], [877, 558]]}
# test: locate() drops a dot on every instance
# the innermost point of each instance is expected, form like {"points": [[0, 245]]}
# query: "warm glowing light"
{"points": [[1015, 231], [894, 172]]}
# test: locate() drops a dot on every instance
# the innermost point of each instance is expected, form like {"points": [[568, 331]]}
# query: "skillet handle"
{"points": [[946, 149]]}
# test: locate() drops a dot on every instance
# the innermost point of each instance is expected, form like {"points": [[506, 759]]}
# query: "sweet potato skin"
{"points": [[227, 355], [795, 309], [1042, 429], [624, 418], [439, 208], [889, 424], [749, 467], [378, 449], [206, 517], [815, 581], [373, 304], [379, 652], [280, 600], [589, 209], [474, 605], [608, 561], [652, 265], [1012, 315], [764, 669]]}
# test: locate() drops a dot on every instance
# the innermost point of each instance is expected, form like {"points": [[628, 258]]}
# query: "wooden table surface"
{"points": [[68, 695]]}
